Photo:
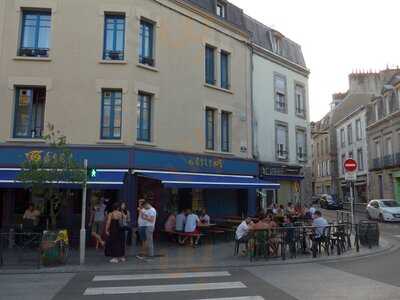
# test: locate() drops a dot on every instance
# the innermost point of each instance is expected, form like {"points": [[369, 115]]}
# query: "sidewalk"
{"points": [[171, 256]]}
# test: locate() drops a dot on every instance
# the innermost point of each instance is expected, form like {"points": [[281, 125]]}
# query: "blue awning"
{"points": [[205, 181], [105, 179]]}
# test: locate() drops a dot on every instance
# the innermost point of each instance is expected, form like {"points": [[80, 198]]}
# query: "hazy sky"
{"points": [[337, 37]]}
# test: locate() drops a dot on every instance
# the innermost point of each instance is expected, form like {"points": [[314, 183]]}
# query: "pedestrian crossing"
{"points": [[188, 285]]}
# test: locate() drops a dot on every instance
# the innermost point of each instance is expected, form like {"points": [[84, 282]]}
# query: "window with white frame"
{"points": [[359, 134], [221, 9], [342, 138], [378, 151], [360, 159], [282, 140], [389, 146], [280, 93], [328, 164], [301, 142], [349, 134], [300, 100]]}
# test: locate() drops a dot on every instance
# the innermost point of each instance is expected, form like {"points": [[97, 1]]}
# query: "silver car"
{"points": [[384, 210]]}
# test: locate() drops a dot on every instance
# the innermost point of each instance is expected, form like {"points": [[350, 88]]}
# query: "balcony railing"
{"points": [[377, 163], [113, 55], [33, 52], [388, 161]]}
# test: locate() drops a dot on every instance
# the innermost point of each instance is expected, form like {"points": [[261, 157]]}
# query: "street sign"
{"points": [[91, 173], [350, 165], [350, 176]]}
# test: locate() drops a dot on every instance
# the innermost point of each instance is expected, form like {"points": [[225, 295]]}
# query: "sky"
{"points": [[337, 38]]}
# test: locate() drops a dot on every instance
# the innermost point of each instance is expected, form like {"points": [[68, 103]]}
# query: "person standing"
{"points": [[204, 218], [97, 223], [180, 223], [115, 244], [31, 215], [148, 215], [191, 226], [126, 221]]}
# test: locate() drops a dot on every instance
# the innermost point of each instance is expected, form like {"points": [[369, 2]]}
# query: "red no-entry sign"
{"points": [[350, 165]]}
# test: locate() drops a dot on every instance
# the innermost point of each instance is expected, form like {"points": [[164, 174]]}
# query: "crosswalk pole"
{"points": [[82, 246]]}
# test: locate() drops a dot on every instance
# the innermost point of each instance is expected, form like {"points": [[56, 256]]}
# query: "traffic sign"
{"points": [[350, 176], [350, 165]]}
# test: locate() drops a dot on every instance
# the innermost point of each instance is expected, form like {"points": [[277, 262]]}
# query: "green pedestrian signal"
{"points": [[91, 173]]}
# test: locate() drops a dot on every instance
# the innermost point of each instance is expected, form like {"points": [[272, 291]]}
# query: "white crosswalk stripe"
{"points": [[163, 288], [161, 276], [158, 283]]}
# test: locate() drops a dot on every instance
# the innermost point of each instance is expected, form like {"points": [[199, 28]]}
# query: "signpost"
{"points": [[83, 220], [350, 167]]}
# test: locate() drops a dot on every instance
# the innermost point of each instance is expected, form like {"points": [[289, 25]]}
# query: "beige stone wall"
{"points": [[75, 74]]}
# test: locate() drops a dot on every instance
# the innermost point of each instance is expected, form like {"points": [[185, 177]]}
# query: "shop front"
{"points": [[290, 179], [222, 186], [108, 182]]}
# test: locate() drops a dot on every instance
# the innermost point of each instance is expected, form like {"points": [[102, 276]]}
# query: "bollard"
{"points": [[11, 238]]}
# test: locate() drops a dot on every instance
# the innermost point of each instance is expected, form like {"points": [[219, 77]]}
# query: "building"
{"points": [[157, 95], [352, 143], [346, 108], [281, 131], [383, 119], [321, 157]]}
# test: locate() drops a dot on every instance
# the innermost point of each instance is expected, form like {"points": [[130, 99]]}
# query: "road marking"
{"points": [[162, 288], [160, 276], [237, 298], [397, 236]]}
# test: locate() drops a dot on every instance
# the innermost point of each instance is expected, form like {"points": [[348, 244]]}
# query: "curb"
{"points": [[388, 248]]}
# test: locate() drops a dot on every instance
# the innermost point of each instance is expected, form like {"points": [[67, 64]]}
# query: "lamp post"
{"points": [[82, 246]]}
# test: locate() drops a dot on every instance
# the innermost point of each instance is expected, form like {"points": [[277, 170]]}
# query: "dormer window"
{"points": [[221, 9], [276, 41]]}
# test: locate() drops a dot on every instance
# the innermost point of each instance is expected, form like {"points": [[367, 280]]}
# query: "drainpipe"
{"points": [[253, 136]]}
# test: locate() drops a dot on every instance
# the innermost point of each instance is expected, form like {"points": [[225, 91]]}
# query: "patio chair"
{"points": [[237, 246]]}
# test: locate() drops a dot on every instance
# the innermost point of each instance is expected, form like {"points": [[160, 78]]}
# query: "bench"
{"points": [[182, 234]]}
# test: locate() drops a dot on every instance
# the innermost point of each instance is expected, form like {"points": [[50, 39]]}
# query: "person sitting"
{"points": [[31, 217], [289, 210], [180, 221], [319, 223], [191, 226], [242, 232], [204, 218], [261, 224], [170, 224]]}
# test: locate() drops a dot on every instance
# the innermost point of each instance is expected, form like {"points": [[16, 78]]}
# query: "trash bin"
{"points": [[368, 233], [54, 248]]}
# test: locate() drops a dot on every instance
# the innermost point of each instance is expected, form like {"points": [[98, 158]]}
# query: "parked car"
{"points": [[315, 199], [330, 202], [383, 210]]}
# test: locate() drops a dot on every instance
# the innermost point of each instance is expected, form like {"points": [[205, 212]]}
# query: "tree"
{"points": [[44, 172]]}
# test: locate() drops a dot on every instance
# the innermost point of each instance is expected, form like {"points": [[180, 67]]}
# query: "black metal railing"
{"points": [[33, 52], [20, 248], [388, 161], [377, 163], [146, 61], [113, 55]]}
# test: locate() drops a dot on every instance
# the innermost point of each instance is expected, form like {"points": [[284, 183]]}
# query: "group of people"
{"points": [[187, 221], [111, 228], [266, 221]]}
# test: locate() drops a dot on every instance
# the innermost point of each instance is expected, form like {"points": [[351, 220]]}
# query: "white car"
{"points": [[384, 210]]}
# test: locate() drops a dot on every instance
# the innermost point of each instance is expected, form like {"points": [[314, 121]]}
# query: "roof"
{"points": [[259, 33], [234, 14], [350, 104]]}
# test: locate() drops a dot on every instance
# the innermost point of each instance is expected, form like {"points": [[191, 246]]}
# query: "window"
{"points": [[360, 159], [225, 131], [35, 34], [378, 149], [359, 134], [318, 150], [376, 109], [326, 145], [210, 65], [389, 148], [342, 162], [114, 37], [111, 116], [350, 154], [225, 84], [301, 142], [300, 103], [29, 112], [342, 138], [146, 43], [144, 107], [277, 43], [210, 129], [350, 134], [318, 170], [282, 142], [323, 169], [328, 171], [280, 93], [221, 9]]}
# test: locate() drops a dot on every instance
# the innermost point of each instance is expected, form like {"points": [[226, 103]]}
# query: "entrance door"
{"points": [[185, 199]]}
